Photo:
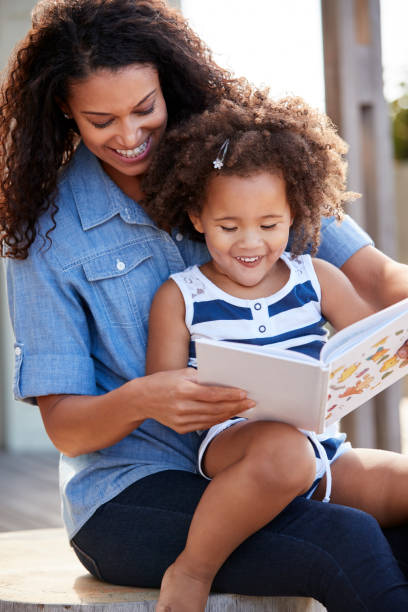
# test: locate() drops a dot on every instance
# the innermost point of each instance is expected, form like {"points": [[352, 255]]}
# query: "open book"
{"points": [[355, 364]]}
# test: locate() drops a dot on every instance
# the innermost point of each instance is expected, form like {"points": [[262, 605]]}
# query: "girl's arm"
{"points": [[169, 338], [341, 304]]}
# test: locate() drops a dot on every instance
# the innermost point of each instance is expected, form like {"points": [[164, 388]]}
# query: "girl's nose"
{"points": [[250, 239]]}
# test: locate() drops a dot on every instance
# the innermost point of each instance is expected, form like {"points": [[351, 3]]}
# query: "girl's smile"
{"points": [[246, 222]]}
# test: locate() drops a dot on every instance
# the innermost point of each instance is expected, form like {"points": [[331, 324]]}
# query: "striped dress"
{"points": [[289, 319]]}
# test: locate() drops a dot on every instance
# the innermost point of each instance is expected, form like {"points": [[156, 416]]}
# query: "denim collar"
{"points": [[87, 177]]}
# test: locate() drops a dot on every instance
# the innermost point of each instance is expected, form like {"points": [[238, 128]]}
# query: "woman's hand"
{"points": [[82, 424], [380, 280], [403, 351], [177, 400]]}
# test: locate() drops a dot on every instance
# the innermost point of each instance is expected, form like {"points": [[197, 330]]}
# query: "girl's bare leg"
{"points": [[257, 469], [372, 480]]}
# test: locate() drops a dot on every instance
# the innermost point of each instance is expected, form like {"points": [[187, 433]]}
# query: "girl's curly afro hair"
{"points": [[286, 137]]}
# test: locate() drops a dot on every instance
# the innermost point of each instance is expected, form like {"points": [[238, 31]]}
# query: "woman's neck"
{"points": [[130, 185]]}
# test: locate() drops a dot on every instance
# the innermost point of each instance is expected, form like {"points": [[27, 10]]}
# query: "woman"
{"points": [[84, 260]]}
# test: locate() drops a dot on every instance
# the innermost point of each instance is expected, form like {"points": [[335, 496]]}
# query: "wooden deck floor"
{"points": [[29, 491]]}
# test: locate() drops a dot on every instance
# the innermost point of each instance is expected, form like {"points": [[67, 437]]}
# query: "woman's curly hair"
{"points": [[287, 136], [68, 40]]}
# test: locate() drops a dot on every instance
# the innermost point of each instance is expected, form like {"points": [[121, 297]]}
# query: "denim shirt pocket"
{"points": [[125, 281]]}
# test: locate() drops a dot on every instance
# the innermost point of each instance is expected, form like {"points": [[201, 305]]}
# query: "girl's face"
{"points": [[121, 116], [246, 222]]}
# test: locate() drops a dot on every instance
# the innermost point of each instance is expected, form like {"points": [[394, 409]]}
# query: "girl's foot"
{"points": [[180, 591]]}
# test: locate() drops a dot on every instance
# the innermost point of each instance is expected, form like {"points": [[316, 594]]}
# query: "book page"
{"points": [[344, 340], [366, 369]]}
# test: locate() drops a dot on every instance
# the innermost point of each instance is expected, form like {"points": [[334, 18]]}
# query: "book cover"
{"points": [[355, 364]]}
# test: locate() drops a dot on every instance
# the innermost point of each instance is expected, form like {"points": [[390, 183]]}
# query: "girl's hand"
{"points": [[175, 399]]}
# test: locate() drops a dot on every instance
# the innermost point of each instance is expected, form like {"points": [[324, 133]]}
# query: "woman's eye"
{"points": [[228, 229], [147, 111], [102, 125]]}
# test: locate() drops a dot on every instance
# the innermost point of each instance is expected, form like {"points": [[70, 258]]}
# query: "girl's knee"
{"points": [[281, 453]]}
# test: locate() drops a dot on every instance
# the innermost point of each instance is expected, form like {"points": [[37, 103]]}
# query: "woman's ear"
{"points": [[196, 221], [64, 108]]}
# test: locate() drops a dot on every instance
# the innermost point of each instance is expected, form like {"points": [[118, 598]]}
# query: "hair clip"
{"points": [[219, 160]]}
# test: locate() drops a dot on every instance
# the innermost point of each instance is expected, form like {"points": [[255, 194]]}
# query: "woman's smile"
{"points": [[135, 154]]}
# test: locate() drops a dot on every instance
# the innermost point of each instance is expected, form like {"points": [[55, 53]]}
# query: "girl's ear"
{"points": [[196, 221]]}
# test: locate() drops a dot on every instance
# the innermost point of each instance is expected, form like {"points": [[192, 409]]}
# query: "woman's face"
{"points": [[121, 116]]}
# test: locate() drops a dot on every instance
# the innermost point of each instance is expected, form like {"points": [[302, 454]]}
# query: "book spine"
{"points": [[324, 394]]}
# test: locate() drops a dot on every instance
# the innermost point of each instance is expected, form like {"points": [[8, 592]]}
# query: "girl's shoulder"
{"points": [[301, 263], [191, 282]]}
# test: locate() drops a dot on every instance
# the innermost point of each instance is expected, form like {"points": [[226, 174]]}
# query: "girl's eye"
{"points": [[228, 229], [102, 125], [268, 227]]}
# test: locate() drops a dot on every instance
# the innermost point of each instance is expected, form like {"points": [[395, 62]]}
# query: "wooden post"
{"points": [[355, 102]]}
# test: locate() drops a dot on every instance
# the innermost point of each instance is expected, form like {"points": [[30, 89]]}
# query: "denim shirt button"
{"points": [[179, 237], [17, 351], [120, 265]]}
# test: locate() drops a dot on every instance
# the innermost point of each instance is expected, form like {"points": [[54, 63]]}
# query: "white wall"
{"points": [[20, 424]]}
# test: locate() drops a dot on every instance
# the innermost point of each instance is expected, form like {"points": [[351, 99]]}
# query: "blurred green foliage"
{"points": [[399, 116]]}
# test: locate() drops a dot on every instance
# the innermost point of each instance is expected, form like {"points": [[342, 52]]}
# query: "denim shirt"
{"points": [[80, 309]]}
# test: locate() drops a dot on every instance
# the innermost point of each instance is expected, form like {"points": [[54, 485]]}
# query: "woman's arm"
{"points": [[169, 394], [83, 424], [378, 279], [341, 304]]}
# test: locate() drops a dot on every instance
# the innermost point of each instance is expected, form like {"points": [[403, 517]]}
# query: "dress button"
{"points": [[257, 306], [17, 351], [262, 328], [179, 237], [120, 265]]}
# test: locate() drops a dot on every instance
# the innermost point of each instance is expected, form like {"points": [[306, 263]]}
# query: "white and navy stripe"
{"points": [[291, 318]]}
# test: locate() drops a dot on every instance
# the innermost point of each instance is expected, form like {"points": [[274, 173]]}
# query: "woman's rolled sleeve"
{"points": [[52, 348], [339, 241]]}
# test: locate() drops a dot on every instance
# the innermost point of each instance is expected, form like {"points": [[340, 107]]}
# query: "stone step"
{"points": [[39, 572]]}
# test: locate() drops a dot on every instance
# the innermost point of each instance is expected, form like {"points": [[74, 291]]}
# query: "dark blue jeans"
{"points": [[335, 554]]}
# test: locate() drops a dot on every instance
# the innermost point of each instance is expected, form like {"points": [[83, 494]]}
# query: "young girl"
{"points": [[244, 178]]}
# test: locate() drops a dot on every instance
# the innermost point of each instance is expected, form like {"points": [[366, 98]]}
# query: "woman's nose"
{"points": [[129, 136]]}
